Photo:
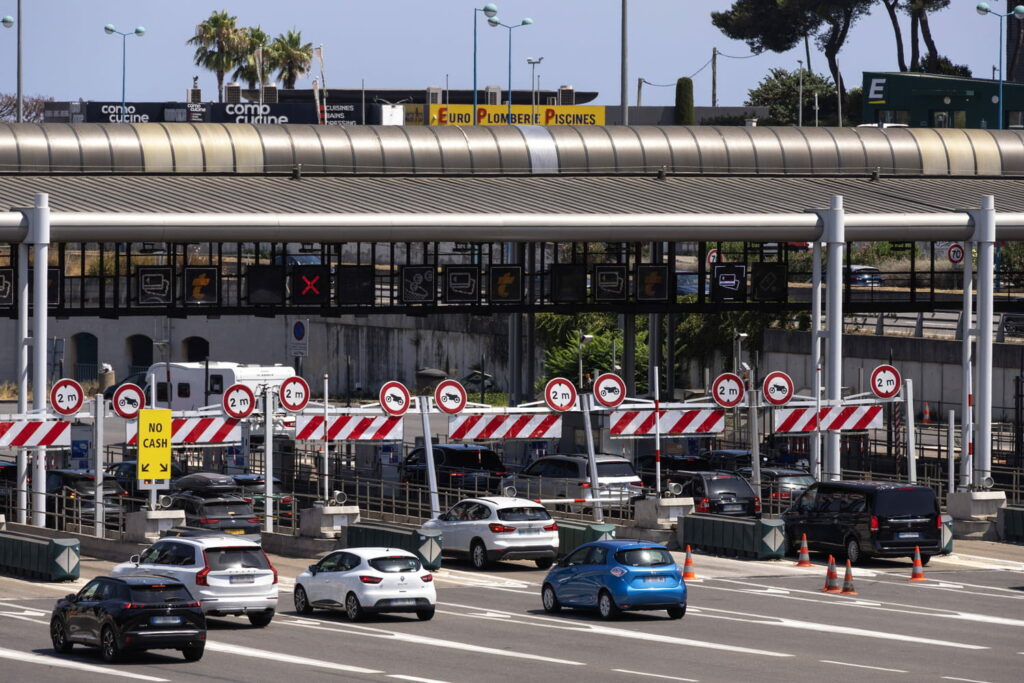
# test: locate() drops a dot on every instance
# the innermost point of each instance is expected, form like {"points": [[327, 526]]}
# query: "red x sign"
{"points": [[310, 284]]}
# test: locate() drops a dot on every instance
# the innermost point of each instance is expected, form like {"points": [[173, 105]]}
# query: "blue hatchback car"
{"points": [[614, 576]]}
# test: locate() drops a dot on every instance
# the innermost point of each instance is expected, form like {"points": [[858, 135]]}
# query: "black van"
{"points": [[864, 519]]}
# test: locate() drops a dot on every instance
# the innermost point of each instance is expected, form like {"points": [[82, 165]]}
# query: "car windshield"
{"points": [[87, 486], [802, 481], [158, 592], [476, 459], [238, 509], [615, 469], [523, 514], [395, 564], [236, 558], [905, 501], [734, 485], [644, 557]]}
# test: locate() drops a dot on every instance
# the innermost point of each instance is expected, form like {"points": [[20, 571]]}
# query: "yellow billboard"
{"points": [[522, 115]]}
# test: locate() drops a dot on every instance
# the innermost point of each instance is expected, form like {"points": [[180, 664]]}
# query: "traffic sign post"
{"points": [[777, 388], [154, 460], [394, 398], [450, 397], [238, 401], [293, 394], [560, 394], [66, 397], [128, 400], [727, 390]]}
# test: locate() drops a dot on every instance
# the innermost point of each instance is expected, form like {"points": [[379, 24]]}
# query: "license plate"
{"points": [[908, 534], [235, 531], [242, 579], [529, 531], [404, 602], [164, 621], [653, 579], [731, 508]]}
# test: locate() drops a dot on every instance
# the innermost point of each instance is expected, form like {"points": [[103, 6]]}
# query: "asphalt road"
{"points": [[746, 621]]}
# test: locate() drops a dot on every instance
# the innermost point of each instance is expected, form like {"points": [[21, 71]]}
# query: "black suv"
{"points": [[458, 466], [863, 518], [130, 613], [779, 486], [724, 493]]}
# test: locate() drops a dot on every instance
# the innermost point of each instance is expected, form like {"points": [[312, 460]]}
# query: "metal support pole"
{"points": [[657, 432], [908, 404], [629, 352], [475, 95], [39, 231], [950, 447], [24, 341], [21, 94], [124, 74], [327, 445], [268, 459], [595, 491], [755, 436], [984, 236], [97, 440], [428, 446], [508, 114], [815, 437], [966, 374], [835, 240], [624, 66]]}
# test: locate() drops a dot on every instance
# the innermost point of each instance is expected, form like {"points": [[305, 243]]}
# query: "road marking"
{"points": [[43, 660], [986, 562], [282, 657], [644, 673], [415, 678], [863, 666], [353, 629], [966, 680], [831, 628], [478, 579], [566, 625]]}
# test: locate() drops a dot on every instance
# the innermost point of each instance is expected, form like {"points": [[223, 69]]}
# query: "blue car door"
{"points": [[592, 575], [566, 580]]}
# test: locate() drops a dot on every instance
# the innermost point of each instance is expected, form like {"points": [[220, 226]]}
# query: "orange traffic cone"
{"points": [[927, 419], [688, 573], [848, 588], [805, 555], [831, 577], [917, 574]]}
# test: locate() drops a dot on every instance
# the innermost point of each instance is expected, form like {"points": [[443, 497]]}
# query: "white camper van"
{"points": [[195, 385]]}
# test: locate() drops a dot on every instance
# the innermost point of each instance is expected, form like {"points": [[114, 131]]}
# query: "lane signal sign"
{"points": [[450, 396], [777, 388], [560, 394], [394, 398], [609, 390], [727, 390], [886, 381]]}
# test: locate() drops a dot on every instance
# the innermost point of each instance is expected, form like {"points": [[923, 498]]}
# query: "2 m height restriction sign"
{"points": [[727, 390], [238, 401], [886, 381], [66, 396], [294, 394], [560, 394]]}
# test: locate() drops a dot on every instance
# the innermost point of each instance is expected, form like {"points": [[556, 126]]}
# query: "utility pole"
{"points": [[623, 92], [714, 77]]}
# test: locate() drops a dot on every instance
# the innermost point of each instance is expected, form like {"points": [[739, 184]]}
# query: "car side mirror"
{"points": [[445, 517], [564, 562], [134, 559], [313, 569], [71, 597]]}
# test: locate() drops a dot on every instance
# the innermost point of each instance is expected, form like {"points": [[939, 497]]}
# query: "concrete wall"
{"points": [[933, 364]]}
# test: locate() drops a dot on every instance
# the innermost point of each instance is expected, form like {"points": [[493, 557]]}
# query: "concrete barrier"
{"points": [[89, 545], [1011, 523], [49, 559], [426, 544], [762, 539]]}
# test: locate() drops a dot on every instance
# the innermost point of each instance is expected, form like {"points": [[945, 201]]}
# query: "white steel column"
{"points": [[428, 450], [97, 441], [908, 406], [815, 436], [966, 373], [327, 461], [985, 237], [39, 236], [24, 341], [268, 456], [835, 239]]}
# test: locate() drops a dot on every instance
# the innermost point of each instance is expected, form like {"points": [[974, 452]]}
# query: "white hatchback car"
{"points": [[498, 528], [228, 575], [367, 580]]}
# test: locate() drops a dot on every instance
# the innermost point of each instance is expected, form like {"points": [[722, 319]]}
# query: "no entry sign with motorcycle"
{"points": [[609, 390]]}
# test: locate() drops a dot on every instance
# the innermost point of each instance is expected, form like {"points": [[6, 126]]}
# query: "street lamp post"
{"points": [[580, 341], [495, 21], [533, 87], [489, 10], [1017, 12], [139, 31], [9, 21]]}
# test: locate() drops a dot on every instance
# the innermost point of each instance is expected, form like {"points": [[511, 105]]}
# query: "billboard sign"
{"points": [[522, 115]]}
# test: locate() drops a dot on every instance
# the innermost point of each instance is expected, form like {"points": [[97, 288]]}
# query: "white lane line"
{"points": [[43, 660], [986, 562], [863, 666], [965, 680], [563, 624], [644, 673], [766, 620], [286, 658], [415, 678], [405, 638]]}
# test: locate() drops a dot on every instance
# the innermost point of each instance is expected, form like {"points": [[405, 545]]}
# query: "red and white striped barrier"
{"points": [[527, 426], [830, 419], [348, 428], [25, 433], [195, 430], [673, 422]]}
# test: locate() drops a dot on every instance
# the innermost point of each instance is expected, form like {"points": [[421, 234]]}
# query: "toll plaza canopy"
{"points": [[307, 169]]}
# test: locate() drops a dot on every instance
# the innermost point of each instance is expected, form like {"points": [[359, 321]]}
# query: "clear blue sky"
{"points": [[413, 44]]}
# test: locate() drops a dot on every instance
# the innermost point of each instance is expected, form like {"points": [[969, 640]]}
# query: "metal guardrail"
{"points": [[70, 511]]}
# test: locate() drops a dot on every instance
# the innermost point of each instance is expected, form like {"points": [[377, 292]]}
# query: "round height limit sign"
{"points": [[560, 394], [66, 396], [727, 390], [238, 401], [886, 381], [294, 394]]}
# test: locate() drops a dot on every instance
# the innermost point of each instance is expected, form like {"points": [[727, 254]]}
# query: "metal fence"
{"points": [[68, 510]]}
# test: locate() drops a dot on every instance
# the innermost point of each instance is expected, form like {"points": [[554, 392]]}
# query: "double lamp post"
{"points": [[490, 10]]}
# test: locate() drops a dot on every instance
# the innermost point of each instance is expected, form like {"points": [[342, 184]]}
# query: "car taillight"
{"points": [[874, 523], [270, 564], [704, 505], [585, 484], [286, 500], [757, 505], [201, 575], [618, 572], [134, 605], [500, 528], [784, 494], [775, 494], [254, 520], [551, 527], [370, 579], [938, 521], [248, 500], [427, 578], [206, 520]]}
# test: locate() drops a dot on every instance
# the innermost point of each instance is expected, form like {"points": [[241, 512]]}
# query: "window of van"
{"points": [[161, 391], [216, 384], [905, 502], [184, 389]]}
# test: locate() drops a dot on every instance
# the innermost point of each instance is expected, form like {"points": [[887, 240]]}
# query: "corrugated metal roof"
{"points": [[510, 194]]}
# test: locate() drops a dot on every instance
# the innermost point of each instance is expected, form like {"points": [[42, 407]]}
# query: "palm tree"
{"points": [[216, 40], [249, 41], [291, 57]]}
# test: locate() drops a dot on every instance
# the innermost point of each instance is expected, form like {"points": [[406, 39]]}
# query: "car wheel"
{"points": [[260, 619], [676, 611], [353, 610], [194, 653], [925, 559], [544, 563], [606, 606], [109, 647], [549, 599], [853, 550], [59, 636], [478, 554], [302, 605], [425, 614]]}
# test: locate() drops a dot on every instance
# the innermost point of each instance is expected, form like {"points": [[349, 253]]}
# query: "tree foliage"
{"points": [[292, 57], [684, 102], [217, 43], [248, 42], [32, 107], [780, 92]]}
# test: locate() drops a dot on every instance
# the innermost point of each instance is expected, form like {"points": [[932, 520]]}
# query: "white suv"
{"points": [[227, 575], [567, 477], [498, 528]]}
